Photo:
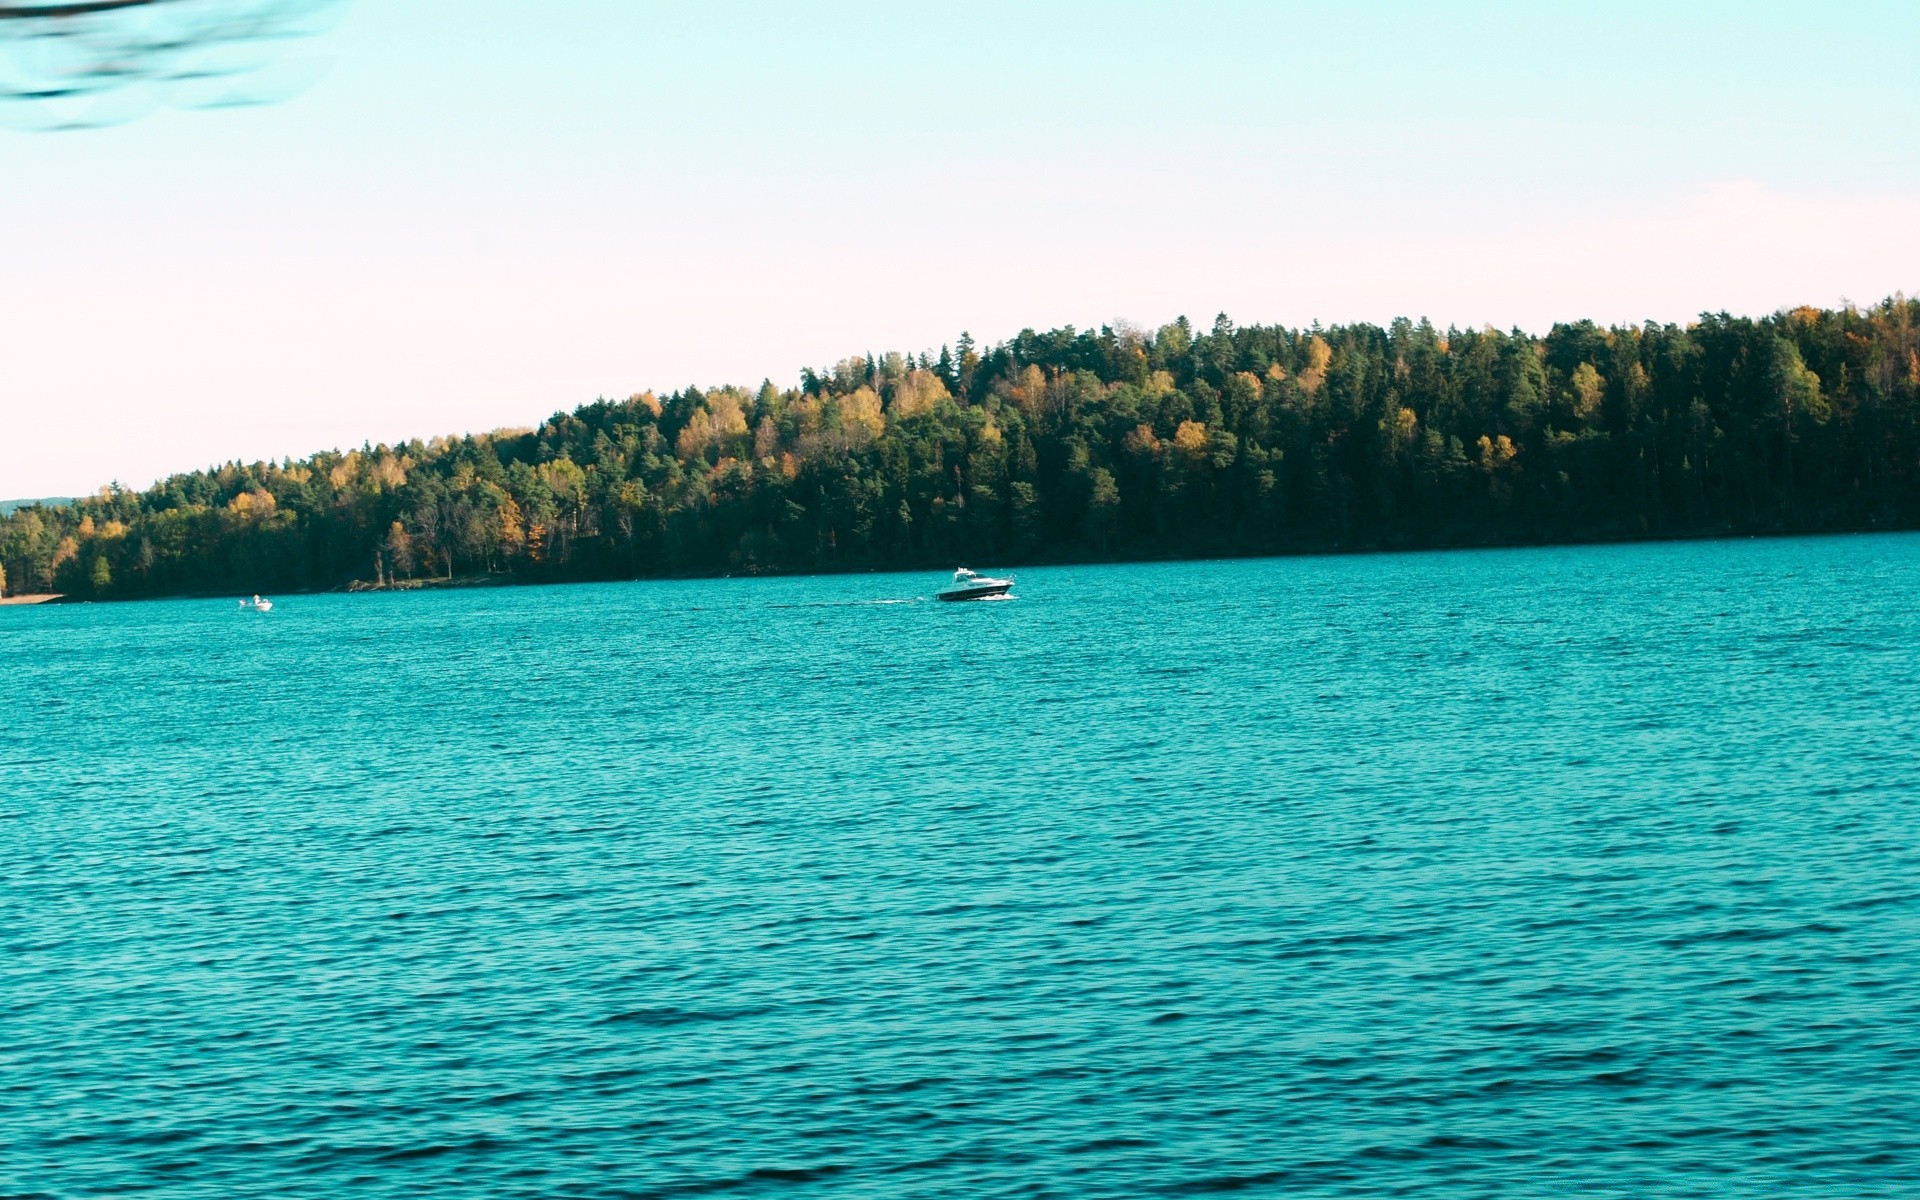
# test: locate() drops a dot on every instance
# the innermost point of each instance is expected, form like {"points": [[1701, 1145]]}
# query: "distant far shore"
{"points": [[439, 581], [506, 579], [1073, 446]]}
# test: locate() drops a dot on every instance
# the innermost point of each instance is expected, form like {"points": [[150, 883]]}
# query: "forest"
{"points": [[1072, 446]]}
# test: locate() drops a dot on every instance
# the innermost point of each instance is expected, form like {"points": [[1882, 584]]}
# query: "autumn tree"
{"points": [[1067, 444]]}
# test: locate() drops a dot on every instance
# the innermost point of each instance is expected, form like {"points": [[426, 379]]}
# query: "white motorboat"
{"points": [[969, 586], [257, 605]]}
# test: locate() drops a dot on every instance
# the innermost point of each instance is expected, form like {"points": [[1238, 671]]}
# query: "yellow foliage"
{"points": [[391, 472], [1406, 425], [918, 393], [1140, 440], [1191, 437], [1589, 389], [1319, 354], [564, 478], [86, 528], [1029, 391], [344, 471], [1276, 372], [400, 549], [805, 413], [67, 550], [648, 399], [719, 420], [255, 503], [694, 439], [114, 529], [1159, 384], [513, 530], [728, 418], [862, 409], [1496, 453]]}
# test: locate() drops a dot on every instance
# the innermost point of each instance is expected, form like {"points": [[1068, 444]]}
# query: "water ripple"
{"points": [[1451, 875]]}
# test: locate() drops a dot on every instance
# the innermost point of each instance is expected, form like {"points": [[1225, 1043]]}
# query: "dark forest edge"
{"points": [[1073, 446]]}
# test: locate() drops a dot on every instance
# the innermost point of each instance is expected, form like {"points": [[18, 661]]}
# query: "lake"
{"points": [[1508, 873]]}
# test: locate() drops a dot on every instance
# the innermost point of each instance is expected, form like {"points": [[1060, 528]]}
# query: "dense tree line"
{"points": [[1074, 445]]}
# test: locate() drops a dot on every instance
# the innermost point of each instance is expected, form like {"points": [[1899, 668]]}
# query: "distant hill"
{"points": [[7, 507], [1071, 446]]}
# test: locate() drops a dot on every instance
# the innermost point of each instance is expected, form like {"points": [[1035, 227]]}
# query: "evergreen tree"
{"points": [[1067, 444]]}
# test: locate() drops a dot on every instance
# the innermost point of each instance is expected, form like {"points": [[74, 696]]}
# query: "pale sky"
{"points": [[484, 211]]}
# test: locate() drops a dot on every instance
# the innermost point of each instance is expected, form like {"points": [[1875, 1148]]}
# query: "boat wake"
{"points": [[850, 603]]}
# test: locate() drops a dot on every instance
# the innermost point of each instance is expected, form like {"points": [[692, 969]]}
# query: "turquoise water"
{"points": [[1577, 871]]}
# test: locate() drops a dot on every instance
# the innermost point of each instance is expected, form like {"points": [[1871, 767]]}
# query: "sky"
{"points": [[476, 213]]}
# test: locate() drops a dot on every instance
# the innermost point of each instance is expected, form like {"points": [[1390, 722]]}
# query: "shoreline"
{"points": [[1210, 554]]}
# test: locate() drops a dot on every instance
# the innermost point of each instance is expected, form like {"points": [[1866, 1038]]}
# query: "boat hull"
{"points": [[984, 591]]}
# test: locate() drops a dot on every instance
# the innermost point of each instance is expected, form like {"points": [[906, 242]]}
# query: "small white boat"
{"points": [[257, 605], [969, 586]]}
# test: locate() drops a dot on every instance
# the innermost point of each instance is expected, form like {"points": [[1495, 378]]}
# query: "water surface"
{"points": [[1586, 871]]}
